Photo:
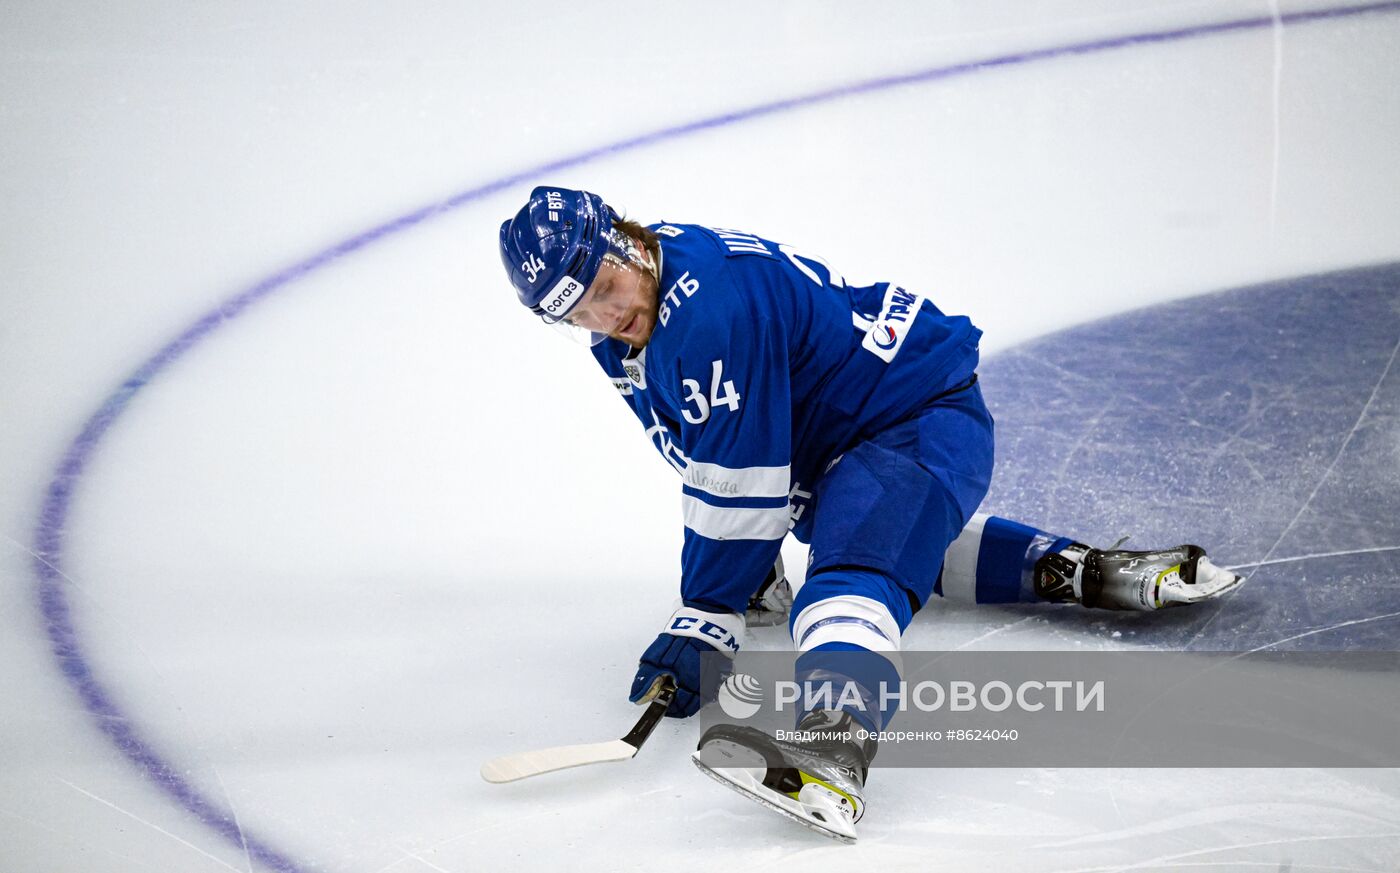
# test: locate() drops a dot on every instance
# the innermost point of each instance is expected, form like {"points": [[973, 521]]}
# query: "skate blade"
{"points": [[1211, 582], [827, 822]]}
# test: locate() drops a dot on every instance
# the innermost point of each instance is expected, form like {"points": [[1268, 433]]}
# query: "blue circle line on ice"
{"points": [[49, 535]]}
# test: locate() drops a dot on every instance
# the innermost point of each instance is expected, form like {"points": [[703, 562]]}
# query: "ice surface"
{"points": [[1266, 416], [326, 560]]}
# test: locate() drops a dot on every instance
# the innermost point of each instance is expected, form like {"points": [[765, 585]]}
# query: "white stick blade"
{"points": [[525, 764]]}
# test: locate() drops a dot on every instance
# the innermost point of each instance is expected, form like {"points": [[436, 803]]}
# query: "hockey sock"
{"points": [[993, 561], [847, 622], [842, 677]]}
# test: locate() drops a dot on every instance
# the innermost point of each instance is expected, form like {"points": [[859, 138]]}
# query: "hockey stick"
{"points": [[522, 765]]}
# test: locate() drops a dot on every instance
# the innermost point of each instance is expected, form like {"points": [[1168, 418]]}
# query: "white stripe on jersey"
{"points": [[738, 481], [734, 522]]}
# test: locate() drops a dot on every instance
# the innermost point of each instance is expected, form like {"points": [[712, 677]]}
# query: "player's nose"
{"points": [[613, 312]]}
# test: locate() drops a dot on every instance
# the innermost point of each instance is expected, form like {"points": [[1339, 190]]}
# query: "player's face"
{"points": [[622, 302]]}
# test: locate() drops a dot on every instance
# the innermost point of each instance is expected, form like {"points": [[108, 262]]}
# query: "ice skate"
{"points": [[818, 783], [1121, 579]]}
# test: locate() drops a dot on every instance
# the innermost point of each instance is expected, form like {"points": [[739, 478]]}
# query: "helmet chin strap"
{"points": [[654, 262]]}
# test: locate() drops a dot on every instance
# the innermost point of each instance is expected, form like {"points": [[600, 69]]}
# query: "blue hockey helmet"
{"points": [[553, 246]]}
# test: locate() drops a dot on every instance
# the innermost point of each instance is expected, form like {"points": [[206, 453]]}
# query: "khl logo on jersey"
{"points": [[897, 315], [635, 366]]}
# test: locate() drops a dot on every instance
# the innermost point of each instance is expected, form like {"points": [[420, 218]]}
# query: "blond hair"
{"points": [[642, 235]]}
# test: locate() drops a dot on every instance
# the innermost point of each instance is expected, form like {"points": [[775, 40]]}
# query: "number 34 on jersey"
{"points": [[698, 405]]}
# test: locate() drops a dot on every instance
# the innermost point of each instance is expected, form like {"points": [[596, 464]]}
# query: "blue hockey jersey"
{"points": [[763, 368]]}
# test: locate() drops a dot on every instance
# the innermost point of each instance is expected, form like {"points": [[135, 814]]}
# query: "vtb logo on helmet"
{"points": [[551, 249]]}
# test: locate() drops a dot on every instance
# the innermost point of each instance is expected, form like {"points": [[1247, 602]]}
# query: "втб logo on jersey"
{"points": [[897, 315]]}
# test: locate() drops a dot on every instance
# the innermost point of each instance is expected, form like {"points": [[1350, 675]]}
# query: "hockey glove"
{"points": [[676, 653], [772, 602]]}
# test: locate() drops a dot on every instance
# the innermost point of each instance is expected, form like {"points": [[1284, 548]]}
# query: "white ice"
{"points": [[380, 527]]}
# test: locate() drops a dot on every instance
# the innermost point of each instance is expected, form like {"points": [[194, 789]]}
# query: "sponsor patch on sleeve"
{"points": [[896, 317]]}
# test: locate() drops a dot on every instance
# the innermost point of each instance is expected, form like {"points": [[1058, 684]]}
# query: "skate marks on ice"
{"points": [[1101, 820], [1259, 422]]}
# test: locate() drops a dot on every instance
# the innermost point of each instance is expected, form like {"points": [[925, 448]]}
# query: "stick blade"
{"points": [[522, 765]]}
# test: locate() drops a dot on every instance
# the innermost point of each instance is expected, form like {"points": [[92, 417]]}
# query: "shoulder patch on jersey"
{"points": [[622, 384], [668, 230], [896, 317], [635, 367]]}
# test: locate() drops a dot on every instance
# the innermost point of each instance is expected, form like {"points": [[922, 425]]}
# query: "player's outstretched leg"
{"points": [[996, 560]]}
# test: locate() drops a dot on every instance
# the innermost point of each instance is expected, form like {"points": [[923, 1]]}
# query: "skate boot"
{"points": [[817, 781], [1121, 579]]}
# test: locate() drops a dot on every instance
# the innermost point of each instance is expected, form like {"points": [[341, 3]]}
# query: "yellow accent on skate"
{"points": [[806, 780], [1157, 588]]}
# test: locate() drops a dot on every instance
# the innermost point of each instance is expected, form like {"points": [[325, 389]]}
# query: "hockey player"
{"points": [[788, 399]]}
